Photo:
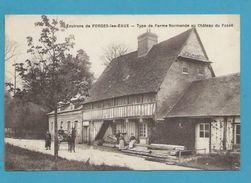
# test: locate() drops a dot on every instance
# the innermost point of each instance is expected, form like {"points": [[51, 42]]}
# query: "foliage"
{"points": [[25, 119], [52, 74]]}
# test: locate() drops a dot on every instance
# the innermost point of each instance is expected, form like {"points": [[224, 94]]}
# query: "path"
{"points": [[95, 156]]}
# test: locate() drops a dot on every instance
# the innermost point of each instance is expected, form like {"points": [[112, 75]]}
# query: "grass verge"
{"points": [[17, 158], [215, 162]]}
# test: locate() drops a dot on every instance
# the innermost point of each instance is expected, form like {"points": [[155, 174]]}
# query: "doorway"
{"points": [[202, 137]]}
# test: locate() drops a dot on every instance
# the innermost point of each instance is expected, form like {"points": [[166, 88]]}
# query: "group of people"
{"points": [[71, 137], [122, 144]]}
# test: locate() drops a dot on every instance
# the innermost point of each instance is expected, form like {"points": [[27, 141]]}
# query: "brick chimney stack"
{"points": [[145, 42]]}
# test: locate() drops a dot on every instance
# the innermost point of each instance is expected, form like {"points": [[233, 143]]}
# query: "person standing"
{"points": [[69, 142], [47, 140], [73, 137]]}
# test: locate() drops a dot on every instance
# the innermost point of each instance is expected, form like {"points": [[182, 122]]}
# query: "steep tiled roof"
{"points": [[219, 96], [130, 74]]}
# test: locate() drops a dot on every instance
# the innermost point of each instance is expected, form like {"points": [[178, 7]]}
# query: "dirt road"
{"points": [[95, 156]]}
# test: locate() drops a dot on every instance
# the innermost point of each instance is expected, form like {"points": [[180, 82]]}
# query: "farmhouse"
{"points": [[163, 92]]}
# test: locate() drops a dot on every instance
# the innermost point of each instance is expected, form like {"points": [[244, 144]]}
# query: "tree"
{"points": [[53, 75], [10, 50], [10, 56], [113, 50], [24, 119]]}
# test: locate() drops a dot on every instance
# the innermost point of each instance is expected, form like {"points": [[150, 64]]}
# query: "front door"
{"points": [[202, 137]]}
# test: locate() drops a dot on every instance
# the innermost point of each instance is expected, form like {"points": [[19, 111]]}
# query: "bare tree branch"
{"points": [[10, 49], [113, 51]]}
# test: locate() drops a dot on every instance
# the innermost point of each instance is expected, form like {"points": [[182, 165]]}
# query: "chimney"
{"points": [[145, 42]]}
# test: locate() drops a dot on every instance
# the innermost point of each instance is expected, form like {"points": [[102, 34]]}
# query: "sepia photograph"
{"points": [[122, 92]]}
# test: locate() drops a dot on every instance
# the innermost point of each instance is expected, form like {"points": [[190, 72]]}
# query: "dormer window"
{"points": [[72, 106], [185, 70]]}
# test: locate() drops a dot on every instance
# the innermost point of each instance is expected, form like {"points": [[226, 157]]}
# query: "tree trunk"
{"points": [[55, 136]]}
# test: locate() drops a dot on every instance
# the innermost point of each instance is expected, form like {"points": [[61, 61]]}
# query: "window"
{"points": [[237, 134], [143, 130], [201, 70], [185, 70], [51, 126], [72, 106], [204, 130], [76, 124]]}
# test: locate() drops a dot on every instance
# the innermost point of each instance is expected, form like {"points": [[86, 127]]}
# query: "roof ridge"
{"points": [[187, 31], [151, 68]]}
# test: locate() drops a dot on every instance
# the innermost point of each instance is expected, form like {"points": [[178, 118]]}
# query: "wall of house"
{"points": [[121, 107], [182, 132], [217, 133], [174, 132], [129, 128], [74, 117], [176, 82]]}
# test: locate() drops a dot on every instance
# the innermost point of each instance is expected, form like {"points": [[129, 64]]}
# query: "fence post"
{"points": [[179, 156]]}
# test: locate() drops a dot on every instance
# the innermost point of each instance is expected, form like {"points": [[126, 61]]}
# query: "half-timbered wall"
{"points": [[217, 132], [121, 107]]}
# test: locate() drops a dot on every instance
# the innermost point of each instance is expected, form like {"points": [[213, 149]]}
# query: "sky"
{"points": [[220, 35]]}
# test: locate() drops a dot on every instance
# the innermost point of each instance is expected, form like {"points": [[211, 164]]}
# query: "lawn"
{"points": [[215, 162], [17, 158]]}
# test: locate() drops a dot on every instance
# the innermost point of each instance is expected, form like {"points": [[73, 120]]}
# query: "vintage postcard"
{"points": [[122, 92]]}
